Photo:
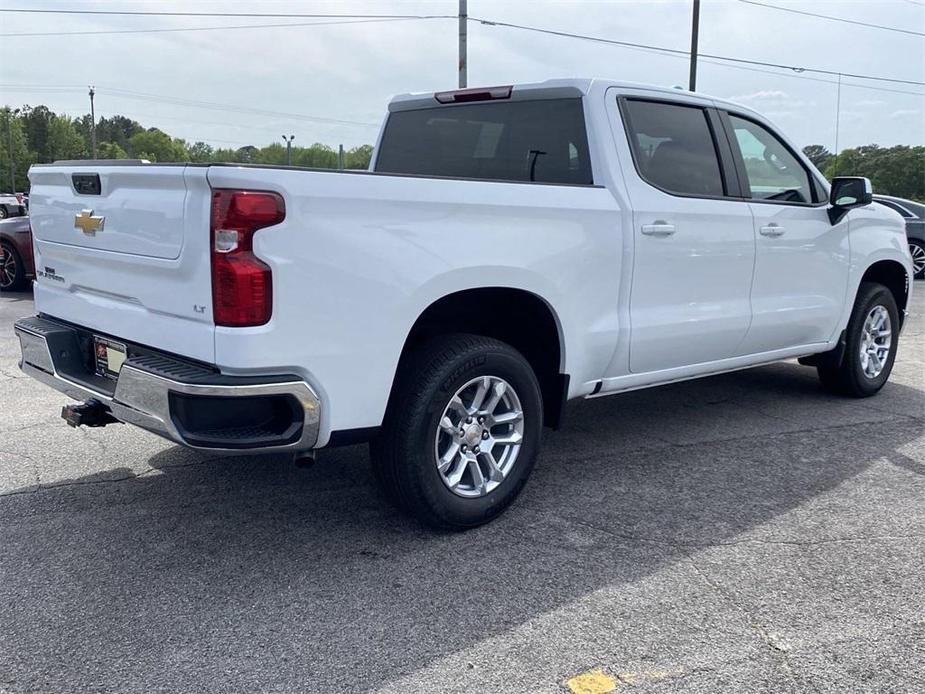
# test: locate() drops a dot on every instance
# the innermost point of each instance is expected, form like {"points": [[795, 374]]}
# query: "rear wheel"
{"points": [[461, 433], [3, 212], [12, 270], [917, 251], [870, 345]]}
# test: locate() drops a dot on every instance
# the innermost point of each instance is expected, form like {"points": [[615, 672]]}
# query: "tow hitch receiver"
{"points": [[91, 413]]}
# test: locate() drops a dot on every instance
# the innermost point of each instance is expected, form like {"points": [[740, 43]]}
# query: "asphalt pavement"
{"points": [[742, 533]]}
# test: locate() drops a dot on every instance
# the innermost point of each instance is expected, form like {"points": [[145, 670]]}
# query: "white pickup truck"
{"points": [[511, 248]]}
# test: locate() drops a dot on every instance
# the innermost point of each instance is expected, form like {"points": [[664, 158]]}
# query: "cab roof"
{"points": [[559, 89]]}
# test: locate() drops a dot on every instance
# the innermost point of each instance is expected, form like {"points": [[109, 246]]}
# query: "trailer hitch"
{"points": [[91, 413]]}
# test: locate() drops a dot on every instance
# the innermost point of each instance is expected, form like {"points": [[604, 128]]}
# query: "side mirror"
{"points": [[848, 192]]}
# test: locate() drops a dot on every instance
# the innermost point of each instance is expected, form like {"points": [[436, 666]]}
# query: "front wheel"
{"points": [[3, 212], [461, 433], [917, 251], [870, 345]]}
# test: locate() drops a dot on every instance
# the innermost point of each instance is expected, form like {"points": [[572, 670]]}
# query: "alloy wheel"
{"points": [[876, 341], [479, 436], [8, 268], [918, 258]]}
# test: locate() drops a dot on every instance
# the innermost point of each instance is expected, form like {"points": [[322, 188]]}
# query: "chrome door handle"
{"points": [[773, 230], [659, 228]]}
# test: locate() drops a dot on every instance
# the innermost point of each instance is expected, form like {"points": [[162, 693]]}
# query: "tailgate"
{"points": [[123, 249]]}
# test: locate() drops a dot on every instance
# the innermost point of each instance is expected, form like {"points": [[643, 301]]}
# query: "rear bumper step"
{"points": [[187, 403]]}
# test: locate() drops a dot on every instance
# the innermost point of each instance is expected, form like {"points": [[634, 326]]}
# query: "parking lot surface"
{"points": [[745, 532]]}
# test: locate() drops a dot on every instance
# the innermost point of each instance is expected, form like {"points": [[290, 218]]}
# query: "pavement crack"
{"points": [[779, 652]]}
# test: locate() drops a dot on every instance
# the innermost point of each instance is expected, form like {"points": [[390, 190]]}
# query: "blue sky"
{"points": [[301, 78]]}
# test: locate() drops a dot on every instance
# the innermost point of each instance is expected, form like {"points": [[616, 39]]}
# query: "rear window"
{"points": [[542, 141]]}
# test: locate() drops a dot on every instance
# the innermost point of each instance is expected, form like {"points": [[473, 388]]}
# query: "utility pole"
{"points": [[837, 118], [695, 35], [340, 157], [289, 149], [463, 27], [92, 123]]}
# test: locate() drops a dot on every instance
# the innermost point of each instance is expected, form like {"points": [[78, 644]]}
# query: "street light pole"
{"points": [[695, 36], [92, 123], [289, 149], [463, 58]]}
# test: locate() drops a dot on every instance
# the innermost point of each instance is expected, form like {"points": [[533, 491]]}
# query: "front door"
{"points": [[694, 241], [801, 264]]}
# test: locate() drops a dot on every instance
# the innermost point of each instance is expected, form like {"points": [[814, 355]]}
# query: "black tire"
{"points": [[403, 455], [12, 270], [917, 250], [849, 378], [4, 213]]}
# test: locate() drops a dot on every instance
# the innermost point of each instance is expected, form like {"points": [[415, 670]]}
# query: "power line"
{"points": [[662, 49], [275, 15], [211, 28], [833, 19]]}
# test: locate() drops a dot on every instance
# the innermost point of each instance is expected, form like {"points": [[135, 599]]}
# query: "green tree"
{"points": [[201, 152], [246, 154], [818, 155], [110, 150], [274, 153], [11, 128], [898, 170], [358, 157], [64, 141], [317, 156], [155, 145], [37, 120]]}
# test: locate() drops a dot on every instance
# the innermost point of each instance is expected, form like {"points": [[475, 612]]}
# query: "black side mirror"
{"points": [[848, 192]]}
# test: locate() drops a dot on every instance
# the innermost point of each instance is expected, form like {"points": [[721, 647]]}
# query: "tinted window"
{"points": [[773, 172], [542, 141], [674, 149]]}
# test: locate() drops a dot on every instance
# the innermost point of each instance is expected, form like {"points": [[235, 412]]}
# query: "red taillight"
{"points": [[242, 285]]}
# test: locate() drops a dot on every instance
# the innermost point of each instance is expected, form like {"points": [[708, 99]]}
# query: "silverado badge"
{"points": [[87, 223]]}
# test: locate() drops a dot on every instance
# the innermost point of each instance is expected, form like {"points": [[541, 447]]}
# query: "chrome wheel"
{"points": [[918, 258], [8, 268], [876, 339], [479, 436]]}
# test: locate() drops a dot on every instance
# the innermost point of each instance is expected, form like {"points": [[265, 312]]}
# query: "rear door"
{"points": [[801, 264], [124, 250], [694, 243]]}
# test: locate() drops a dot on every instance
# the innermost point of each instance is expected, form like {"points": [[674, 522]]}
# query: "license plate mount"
{"points": [[108, 357]]}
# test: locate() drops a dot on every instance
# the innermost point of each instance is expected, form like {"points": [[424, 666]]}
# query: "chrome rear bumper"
{"points": [[145, 389]]}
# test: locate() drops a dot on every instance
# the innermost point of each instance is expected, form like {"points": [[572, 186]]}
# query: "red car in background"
{"points": [[16, 262]]}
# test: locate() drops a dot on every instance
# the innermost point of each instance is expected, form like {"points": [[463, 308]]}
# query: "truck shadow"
{"points": [[239, 570]]}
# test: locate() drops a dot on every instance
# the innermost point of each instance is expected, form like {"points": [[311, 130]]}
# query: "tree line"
{"points": [[38, 135]]}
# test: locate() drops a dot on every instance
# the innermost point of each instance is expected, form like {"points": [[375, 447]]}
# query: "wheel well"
{"points": [[893, 276], [517, 317]]}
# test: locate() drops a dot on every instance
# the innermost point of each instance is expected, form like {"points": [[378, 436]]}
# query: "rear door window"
{"points": [[673, 147], [543, 141]]}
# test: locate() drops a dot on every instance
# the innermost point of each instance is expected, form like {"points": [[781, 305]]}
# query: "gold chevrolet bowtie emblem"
{"points": [[87, 223]]}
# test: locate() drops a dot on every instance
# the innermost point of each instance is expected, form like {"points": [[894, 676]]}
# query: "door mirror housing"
{"points": [[848, 192]]}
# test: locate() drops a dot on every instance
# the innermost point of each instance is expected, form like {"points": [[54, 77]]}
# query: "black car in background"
{"points": [[914, 214]]}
